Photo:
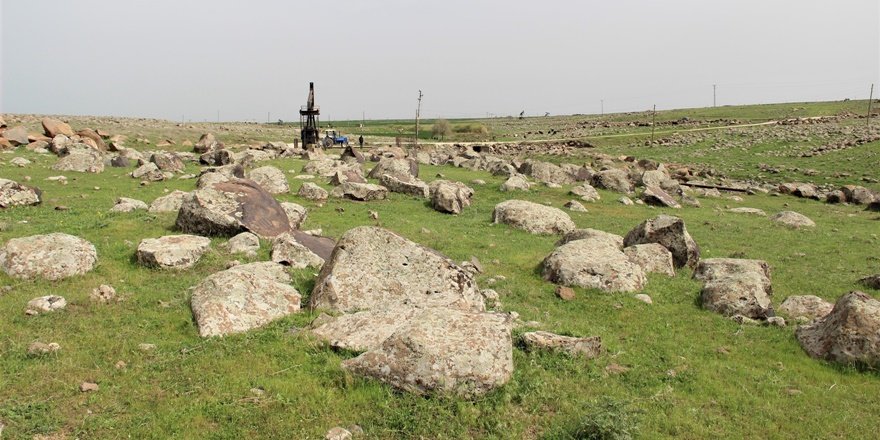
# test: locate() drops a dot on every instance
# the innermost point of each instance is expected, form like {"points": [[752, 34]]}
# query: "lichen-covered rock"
{"points": [[244, 243], [83, 160], [296, 214], [172, 251], [373, 268], [586, 347], [752, 211], [13, 193], [52, 256], [651, 257], [125, 204], [850, 334], [532, 217], [363, 330], [166, 161], [654, 195], [735, 286], [231, 207], [546, 172], [413, 186], [515, 183], [808, 307], [580, 234], [574, 205], [402, 169], [586, 192], [148, 171], [169, 203], [450, 197], [54, 127], [271, 179], [46, 304], [593, 264], [793, 220], [442, 351], [671, 233], [614, 180], [364, 192], [312, 191], [244, 297], [858, 195], [289, 252]]}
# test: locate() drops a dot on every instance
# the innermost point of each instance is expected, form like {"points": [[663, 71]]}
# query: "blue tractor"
{"points": [[332, 137]]}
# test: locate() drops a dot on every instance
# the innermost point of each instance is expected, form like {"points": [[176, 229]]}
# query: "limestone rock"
{"points": [[651, 257], [81, 160], [614, 180], [450, 197], [373, 268], [46, 304], [296, 214], [125, 204], [515, 183], [532, 217], [312, 191], [172, 251], [442, 351], [735, 287], [858, 195], [52, 257], [16, 136], [228, 208], [587, 347], [148, 171], [793, 220], [13, 193], [849, 334], [402, 169], [244, 297], [287, 251], [413, 186], [752, 211], [103, 294], [167, 162], [546, 172], [654, 195], [244, 243], [574, 205], [271, 179], [364, 192], [54, 127], [670, 232], [169, 203], [586, 192], [593, 264], [580, 234], [363, 330], [805, 306]]}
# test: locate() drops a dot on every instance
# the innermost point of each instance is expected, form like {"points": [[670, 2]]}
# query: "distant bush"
{"points": [[605, 419], [441, 128], [473, 128]]}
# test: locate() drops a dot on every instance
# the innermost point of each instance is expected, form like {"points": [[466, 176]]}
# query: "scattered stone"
{"points": [[148, 172], [87, 387], [644, 298], [373, 268], [413, 186], [244, 243], [442, 351], [613, 179], [651, 257], [735, 287], [54, 127], [242, 298], [169, 203], [625, 201], [296, 214], [312, 191], [593, 264], [19, 162], [288, 251], [39, 348], [120, 365], [574, 205], [654, 195], [793, 220], [167, 162], [809, 307], [271, 179], [532, 217], [775, 321], [858, 195], [52, 257], [83, 160], [450, 197], [172, 251], [752, 211], [45, 304], [364, 192], [124, 204], [229, 208], [145, 347], [515, 183], [587, 347], [402, 169], [338, 433], [565, 293], [670, 232], [16, 136], [850, 334], [15, 194], [103, 294], [581, 234]]}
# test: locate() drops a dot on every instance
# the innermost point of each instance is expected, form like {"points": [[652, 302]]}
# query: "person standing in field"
{"points": [[361, 140]]}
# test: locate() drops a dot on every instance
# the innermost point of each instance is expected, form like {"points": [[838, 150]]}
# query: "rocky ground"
{"points": [[164, 280]]}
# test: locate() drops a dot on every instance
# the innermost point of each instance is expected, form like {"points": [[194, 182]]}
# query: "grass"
{"points": [[691, 373]]}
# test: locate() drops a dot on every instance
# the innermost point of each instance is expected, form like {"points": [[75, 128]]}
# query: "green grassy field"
{"points": [[690, 373]]}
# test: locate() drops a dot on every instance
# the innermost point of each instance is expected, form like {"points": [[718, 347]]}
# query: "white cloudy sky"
{"points": [[193, 59]]}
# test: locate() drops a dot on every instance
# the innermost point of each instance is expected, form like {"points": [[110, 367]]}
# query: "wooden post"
{"points": [[418, 110], [870, 103], [653, 123]]}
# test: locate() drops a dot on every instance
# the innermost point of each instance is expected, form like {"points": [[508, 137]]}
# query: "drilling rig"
{"points": [[308, 120]]}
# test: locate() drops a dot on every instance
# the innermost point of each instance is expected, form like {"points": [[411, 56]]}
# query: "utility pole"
{"points": [[714, 101], [268, 117], [602, 104], [218, 115], [870, 103], [653, 123], [418, 110]]}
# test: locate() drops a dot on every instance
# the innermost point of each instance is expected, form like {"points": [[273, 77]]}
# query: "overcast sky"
{"points": [[246, 59]]}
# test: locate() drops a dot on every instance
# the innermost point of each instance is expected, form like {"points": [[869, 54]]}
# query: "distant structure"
{"points": [[308, 120]]}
